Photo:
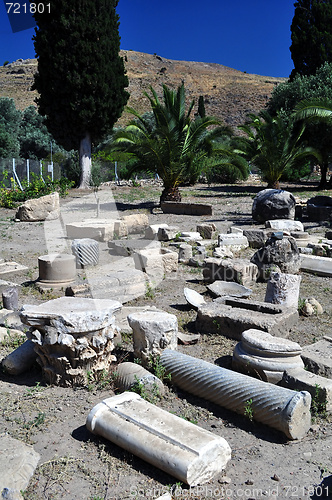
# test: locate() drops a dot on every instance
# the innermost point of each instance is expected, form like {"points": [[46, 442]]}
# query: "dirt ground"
{"points": [[75, 464]]}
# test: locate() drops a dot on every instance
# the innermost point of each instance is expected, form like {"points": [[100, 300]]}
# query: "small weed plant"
{"points": [[319, 403], [13, 340], [248, 410]]}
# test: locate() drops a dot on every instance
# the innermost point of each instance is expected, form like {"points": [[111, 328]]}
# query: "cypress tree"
{"points": [[311, 34], [81, 78]]}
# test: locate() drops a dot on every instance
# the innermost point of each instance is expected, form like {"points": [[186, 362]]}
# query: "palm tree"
{"points": [[273, 145], [171, 145], [318, 112]]}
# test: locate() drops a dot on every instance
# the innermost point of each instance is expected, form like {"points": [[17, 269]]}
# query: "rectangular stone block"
{"points": [[169, 207], [136, 223], [174, 445], [256, 237], [317, 357], [230, 317], [96, 229], [239, 270], [319, 387], [206, 230], [322, 266], [7, 268]]}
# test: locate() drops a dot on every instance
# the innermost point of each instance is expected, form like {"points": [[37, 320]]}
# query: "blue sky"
{"points": [[249, 36]]}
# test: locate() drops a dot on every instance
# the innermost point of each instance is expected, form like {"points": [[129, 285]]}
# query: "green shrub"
{"points": [[11, 197]]}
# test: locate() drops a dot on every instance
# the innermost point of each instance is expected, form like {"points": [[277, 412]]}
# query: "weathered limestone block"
{"points": [[190, 236], [21, 359], [231, 317], [284, 225], [185, 253], [206, 230], [234, 241], [72, 336], [18, 462], [283, 289], [281, 253], [168, 233], [136, 223], [10, 298], [96, 229], [174, 445], [239, 270], [317, 357], [128, 247], [322, 266], [153, 332], [259, 353], [151, 232], [39, 209], [319, 387], [7, 268], [235, 230], [124, 284], [224, 252], [273, 204], [170, 261], [256, 237], [156, 263]]}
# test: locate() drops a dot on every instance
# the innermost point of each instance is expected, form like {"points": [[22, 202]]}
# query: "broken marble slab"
{"points": [[72, 314], [321, 266], [7, 284], [121, 316], [284, 225], [153, 331], [220, 288], [231, 316], [178, 447], [18, 462], [128, 247], [319, 387], [317, 357], [7, 268], [239, 270], [194, 299], [234, 241]]}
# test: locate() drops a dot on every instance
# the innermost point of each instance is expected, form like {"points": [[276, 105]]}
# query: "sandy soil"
{"points": [[77, 465]]}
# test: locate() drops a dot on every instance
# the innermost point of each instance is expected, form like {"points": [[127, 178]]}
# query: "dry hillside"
{"points": [[228, 93]]}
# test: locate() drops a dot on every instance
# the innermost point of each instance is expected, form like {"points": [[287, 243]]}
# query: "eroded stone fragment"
{"points": [[153, 332]]}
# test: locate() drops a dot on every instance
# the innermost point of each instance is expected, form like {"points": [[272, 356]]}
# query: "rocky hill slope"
{"points": [[228, 93]]}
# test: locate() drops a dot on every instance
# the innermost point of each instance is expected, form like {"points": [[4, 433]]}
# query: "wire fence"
{"points": [[21, 171]]}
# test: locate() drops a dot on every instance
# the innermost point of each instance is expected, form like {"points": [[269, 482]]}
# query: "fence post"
{"points": [[41, 171], [16, 177]]}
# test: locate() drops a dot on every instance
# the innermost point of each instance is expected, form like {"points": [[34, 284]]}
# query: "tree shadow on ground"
{"points": [[140, 205]]}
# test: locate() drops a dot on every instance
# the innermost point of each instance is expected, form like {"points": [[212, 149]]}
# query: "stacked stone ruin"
{"points": [[73, 338]]}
